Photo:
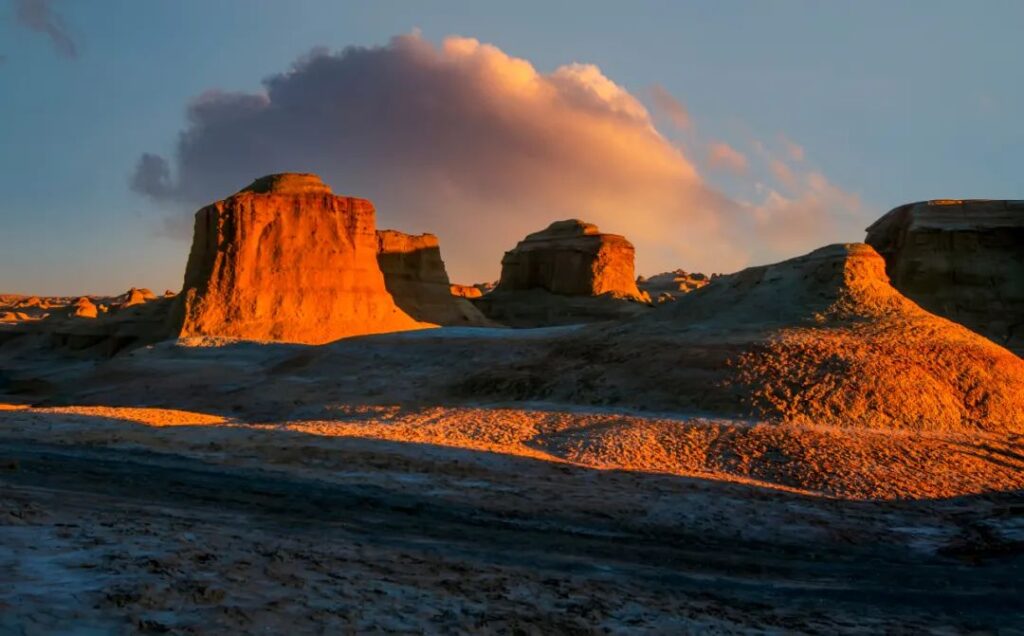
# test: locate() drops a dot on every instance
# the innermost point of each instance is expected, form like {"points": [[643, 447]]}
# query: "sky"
{"points": [[713, 135]]}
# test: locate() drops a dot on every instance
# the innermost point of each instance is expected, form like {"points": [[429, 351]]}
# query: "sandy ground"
{"points": [[158, 520], [257, 488]]}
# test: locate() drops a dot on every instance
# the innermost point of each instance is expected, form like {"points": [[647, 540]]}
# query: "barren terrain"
{"points": [[120, 525], [351, 486]]}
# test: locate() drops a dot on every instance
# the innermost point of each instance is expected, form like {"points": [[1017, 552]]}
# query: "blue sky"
{"points": [[891, 101]]}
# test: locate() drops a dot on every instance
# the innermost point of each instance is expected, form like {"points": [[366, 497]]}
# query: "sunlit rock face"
{"points": [[415, 276], [568, 273], [135, 296], [466, 291], [668, 286], [83, 308], [962, 259], [286, 259], [571, 258]]}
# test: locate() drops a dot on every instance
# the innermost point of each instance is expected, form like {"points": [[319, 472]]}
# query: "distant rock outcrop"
{"points": [[113, 331], [466, 291], [571, 258], [960, 259], [135, 296], [18, 309], [31, 301], [285, 259], [668, 286], [88, 325], [822, 339], [83, 308], [569, 272], [416, 277]]}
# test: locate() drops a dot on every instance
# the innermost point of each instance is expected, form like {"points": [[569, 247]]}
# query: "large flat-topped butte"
{"points": [[286, 259]]}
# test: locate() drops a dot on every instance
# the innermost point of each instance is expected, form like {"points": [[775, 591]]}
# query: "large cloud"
{"points": [[477, 146]]}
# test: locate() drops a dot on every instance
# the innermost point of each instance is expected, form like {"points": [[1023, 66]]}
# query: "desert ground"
{"points": [[208, 486]]}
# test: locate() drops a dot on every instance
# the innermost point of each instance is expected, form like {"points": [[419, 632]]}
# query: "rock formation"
{"points": [[83, 308], [19, 308], [667, 286], [960, 259], [416, 277], [822, 339], [283, 259], [135, 296], [118, 330], [569, 272], [572, 258], [466, 291], [87, 325], [31, 301], [286, 259]]}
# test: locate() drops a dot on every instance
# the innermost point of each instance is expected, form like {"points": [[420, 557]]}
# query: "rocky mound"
{"points": [[119, 329], [822, 339], [668, 286], [567, 273], [963, 260], [286, 259], [86, 326], [295, 183], [466, 291], [32, 301], [135, 296], [84, 308], [415, 276], [16, 308]]}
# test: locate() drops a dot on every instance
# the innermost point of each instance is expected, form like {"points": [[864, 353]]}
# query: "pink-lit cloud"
{"points": [[481, 148], [794, 151], [816, 209], [671, 107], [783, 173], [722, 156]]}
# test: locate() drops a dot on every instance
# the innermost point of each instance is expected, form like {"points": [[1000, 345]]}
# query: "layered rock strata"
{"points": [[962, 259], [416, 278], [569, 272], [286, 259]]}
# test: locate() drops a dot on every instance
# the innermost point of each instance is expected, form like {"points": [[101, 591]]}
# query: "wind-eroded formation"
{"points": [[569, 272], [286, 259], [960, 259], [415, 276], [816, 356]]}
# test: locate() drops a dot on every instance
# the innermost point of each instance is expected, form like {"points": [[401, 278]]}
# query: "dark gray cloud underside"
{"points": [[39, 16]]}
